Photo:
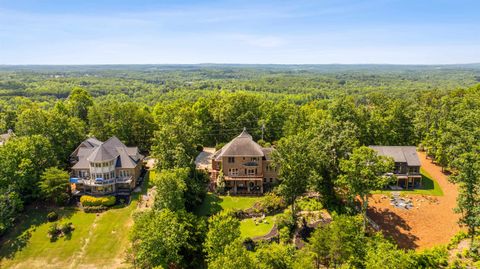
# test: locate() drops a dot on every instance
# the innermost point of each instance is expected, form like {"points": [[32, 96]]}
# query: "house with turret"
{"points": [[246, 166], [105, 168]]}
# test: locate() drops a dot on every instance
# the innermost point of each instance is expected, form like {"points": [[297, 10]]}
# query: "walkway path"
{"points": [[430, 222]]}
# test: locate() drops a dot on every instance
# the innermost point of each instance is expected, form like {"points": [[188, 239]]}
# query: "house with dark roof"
{"points": [[104, 168], [246, 166], [407, 164]]}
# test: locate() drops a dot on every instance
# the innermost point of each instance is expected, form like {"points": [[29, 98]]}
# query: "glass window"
{"points": [[233, 171], [231, 159]]}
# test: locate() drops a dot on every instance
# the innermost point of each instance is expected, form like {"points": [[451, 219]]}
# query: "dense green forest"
{"points": [[318, 116]]}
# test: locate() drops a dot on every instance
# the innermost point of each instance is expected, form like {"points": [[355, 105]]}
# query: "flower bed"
{"points": [[90, 201]]}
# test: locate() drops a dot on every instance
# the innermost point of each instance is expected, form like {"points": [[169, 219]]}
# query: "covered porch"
{"points": [[244, 185], [409, 181]]}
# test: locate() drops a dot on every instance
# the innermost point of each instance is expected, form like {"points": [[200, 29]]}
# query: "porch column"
{"points": [[248, 186], [235, 187]]}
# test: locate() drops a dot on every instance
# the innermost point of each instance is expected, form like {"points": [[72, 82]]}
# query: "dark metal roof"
{"points": [[400, 154]]}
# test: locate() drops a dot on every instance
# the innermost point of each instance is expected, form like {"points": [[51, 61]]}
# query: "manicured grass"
{"points": [[214, 203], [248, 228], [98, 241], [430, 187], [109, 238], [28, 243], [238, 202]]}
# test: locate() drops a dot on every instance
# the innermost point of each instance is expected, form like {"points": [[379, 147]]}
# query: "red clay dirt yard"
{"points": [[430, 222]]}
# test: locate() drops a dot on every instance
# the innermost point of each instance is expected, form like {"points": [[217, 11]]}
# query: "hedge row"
{"points": [[97, 201], [94, 209]]}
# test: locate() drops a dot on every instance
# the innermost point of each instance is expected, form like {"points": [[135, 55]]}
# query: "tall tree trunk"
{"points": [[472, 236], [294, 214], [364, 209]]}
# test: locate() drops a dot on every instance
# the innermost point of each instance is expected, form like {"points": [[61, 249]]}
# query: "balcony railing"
{"points": [[101, 182], [243, 176]]}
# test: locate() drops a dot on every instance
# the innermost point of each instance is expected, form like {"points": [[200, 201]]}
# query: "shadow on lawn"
{"points": [[18, 237], [210, 206], [427, 183], [394, 226]]}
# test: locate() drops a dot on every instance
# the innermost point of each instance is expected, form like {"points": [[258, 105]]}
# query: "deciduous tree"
{"points": [[157, 239], [223, 229], [363, 172], [54, 185], [171, 188], [468, 200]]}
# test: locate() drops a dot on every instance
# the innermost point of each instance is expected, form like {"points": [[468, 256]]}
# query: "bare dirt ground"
{"points": [[431, 222]]}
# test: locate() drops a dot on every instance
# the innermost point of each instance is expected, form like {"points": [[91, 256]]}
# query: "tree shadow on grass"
{"points": [[210, 205], [394, 226], [17, 238], [427, 183]]}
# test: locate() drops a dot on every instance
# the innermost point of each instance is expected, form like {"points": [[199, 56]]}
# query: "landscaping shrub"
{"points": [[270, 203], [62, 199], [65, 228], [309, 204], [199, 148], [53, 230], [284, 235], [94, 209], [456, 239], [52, 216], [97, 201], [285, 220], [436, 257]]}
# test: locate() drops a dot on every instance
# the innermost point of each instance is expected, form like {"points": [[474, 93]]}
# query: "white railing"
{"points": [[93, 182], [127, 179]]}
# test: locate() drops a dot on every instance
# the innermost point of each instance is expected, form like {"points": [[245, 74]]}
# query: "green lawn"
{"points": [[214, 203], [430, 187], [98, 241], [248, 228]]}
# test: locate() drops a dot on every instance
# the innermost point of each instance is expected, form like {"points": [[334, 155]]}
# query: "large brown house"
{"points": [[246, 166], [101, 168], [407, 164]]}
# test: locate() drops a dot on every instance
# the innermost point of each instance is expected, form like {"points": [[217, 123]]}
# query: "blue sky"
{"points": [[283, 32]]}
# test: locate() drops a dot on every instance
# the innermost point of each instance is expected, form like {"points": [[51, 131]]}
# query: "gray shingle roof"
{"points": [[125, 160], [94, 150], [92, 142], [400, 154], [100, 154], [242, 145], [81, 164]]}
